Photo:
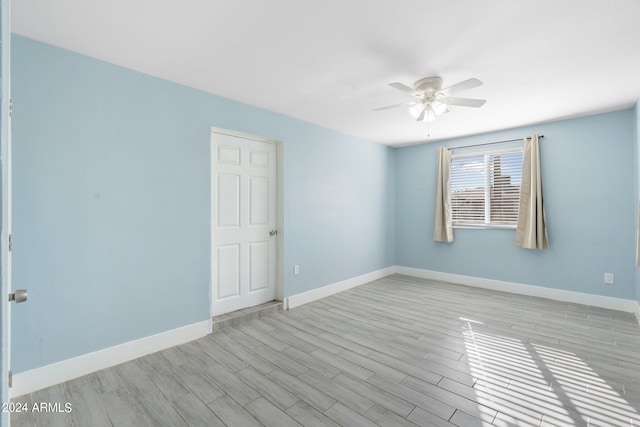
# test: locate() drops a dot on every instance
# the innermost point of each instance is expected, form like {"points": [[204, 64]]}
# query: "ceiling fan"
{"points": [[432, 100]]}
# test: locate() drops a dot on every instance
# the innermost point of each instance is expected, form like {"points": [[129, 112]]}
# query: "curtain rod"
{"points": [[489, 143]]}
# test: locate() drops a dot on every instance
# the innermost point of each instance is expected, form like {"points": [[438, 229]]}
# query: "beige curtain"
{"points": [[531, 231], [442, 229]]}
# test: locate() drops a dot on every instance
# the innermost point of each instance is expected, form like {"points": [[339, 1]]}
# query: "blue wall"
{"points": [[588, 176], [111, 202]]}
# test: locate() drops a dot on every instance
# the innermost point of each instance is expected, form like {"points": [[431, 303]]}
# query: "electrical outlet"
{"points": [[608, 278], [296, 269]]}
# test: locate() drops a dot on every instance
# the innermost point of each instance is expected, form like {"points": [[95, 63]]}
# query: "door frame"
{"points": [[279, 291], [5, 210]]}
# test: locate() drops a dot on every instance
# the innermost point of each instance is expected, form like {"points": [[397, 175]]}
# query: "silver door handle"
{"points": [[273, 232], [20, 295]]}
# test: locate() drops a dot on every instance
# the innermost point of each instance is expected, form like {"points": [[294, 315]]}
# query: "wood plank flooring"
{"points": [[399, 351]]}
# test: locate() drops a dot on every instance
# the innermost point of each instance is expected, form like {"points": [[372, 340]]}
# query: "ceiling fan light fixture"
{"points": [[416, 110], [430, 116], [439, 107], [429, 112]]}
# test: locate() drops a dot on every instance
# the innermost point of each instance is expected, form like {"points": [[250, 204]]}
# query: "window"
{"points": [[485, 188]]}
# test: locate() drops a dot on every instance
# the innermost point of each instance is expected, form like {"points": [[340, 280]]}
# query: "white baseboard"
{"points": [[334, 288], [65, 370], [620, 304]]}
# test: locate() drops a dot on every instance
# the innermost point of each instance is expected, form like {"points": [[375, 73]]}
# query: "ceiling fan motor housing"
{"points": [[428, 85]]}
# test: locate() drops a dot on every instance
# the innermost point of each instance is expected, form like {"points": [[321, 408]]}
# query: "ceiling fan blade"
{"points": [[459, 87], [389, 107], [463, 102], [403, 88]]}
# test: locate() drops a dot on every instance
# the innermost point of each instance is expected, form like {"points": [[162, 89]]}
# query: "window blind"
{"points": [[485, 188]]}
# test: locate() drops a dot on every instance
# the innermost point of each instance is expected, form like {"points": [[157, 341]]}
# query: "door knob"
{"points": [[273, 232], [20, 295]]}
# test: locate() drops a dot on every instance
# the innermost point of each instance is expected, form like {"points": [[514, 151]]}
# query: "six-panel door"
{"points": [[243, 208]]}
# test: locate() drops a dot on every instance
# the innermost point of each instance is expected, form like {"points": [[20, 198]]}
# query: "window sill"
{"points": [[487, 226]]}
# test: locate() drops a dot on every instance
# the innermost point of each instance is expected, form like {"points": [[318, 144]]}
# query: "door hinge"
{"points": [[10, 379], [10, 242], [10, 107]]}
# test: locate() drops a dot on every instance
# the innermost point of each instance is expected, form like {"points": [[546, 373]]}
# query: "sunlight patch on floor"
{"points": [[526, 382]]}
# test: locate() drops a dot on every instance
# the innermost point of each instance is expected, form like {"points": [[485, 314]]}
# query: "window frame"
{"points": [[486, 153]]}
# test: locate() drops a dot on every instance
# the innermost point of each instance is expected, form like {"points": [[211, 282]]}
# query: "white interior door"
{"points": [[243, 221]]}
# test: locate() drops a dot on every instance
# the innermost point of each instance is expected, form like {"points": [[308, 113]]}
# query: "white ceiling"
{"points": [[329, 62]]}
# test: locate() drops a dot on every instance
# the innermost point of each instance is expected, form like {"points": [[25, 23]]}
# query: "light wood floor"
{"points": [[399, 352]]}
